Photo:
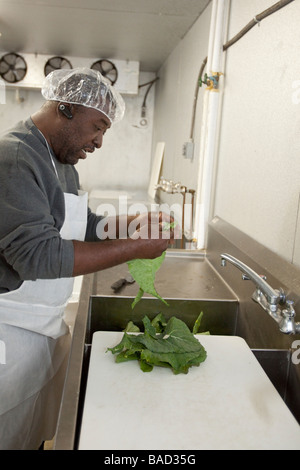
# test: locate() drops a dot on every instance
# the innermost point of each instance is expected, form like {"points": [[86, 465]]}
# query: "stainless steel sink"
{"points": [[285, 376], [113, 313], [219, 318]]}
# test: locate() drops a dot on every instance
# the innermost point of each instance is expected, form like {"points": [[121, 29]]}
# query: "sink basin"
{"points": [[226, 403], [110, 313], [284, 375], [113, 313]]}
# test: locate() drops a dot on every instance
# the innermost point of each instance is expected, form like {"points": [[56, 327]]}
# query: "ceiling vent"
{"points": [[56, 63], [13, 67], [107, 68], [123, 74]]}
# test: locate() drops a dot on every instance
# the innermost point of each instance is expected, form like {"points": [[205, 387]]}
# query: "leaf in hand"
{"points": [[143, 272]]}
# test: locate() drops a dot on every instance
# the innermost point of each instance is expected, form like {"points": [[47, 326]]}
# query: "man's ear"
{"points": [[65, 110]]}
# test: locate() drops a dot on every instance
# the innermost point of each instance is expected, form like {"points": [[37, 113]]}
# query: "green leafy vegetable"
{"points": [[143, 272], [131, 327], [197, 326], [164, 344], [169, 225], [159, 323]]}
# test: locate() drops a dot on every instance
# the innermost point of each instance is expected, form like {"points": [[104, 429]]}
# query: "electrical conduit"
{"points": [[209, 130]]}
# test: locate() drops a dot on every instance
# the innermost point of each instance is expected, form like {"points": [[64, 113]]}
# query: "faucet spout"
{"points": [[273, 296], [267, 297]]}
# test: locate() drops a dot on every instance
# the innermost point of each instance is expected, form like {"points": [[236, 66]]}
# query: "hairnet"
{"points": [[85, 87]]}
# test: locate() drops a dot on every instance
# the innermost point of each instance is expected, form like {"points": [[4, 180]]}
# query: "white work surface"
{"points": [[227, 402]]}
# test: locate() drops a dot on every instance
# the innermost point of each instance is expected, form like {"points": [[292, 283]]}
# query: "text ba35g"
{"points": [[175, 459]]}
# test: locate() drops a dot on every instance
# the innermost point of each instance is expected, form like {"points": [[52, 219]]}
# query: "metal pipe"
{"points": [[182, 227], [210, 123]]}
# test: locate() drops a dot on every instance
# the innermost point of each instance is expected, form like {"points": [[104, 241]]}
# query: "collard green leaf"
{"points": [[143, 272], [197, 326], [169, 225], [145, 366], [138, 297], [149, 328], [125, 344], [131, 327], [125, 356], [178, 362], [159, 323]]}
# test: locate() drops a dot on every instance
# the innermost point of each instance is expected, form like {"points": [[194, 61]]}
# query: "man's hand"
{"points": [[152, 225], [147, 237]]}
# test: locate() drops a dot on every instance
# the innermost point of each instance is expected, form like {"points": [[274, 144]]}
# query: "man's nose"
{"points": [[98, 141]]}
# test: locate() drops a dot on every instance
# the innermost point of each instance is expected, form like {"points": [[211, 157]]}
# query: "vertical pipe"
{"points": [[209, 131], [219, 37], [212, 29], [199, 211], [183, 215]]}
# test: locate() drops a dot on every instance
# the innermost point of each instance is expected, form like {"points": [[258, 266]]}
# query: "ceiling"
{"points": [[142, 30]]}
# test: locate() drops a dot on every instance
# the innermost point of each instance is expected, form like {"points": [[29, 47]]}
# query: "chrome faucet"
{"points": [[169, 186], [267, 297]]}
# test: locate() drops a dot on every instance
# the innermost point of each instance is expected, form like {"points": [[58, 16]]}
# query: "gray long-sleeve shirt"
{"points": [[32, 210]]}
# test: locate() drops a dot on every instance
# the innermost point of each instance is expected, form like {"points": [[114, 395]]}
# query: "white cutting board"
{"points": [[227, 402]]}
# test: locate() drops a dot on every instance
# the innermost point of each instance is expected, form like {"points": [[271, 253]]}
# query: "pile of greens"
{"points": [[165, 344]]}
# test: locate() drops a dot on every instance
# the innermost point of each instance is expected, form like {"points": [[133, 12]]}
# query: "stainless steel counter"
{"points": [[254, 325], [185, 275]]}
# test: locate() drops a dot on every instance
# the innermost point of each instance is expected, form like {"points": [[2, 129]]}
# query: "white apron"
{"points": [[36, 345]]}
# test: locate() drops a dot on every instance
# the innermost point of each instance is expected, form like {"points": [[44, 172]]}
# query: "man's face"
{"points": [[79, 135]]}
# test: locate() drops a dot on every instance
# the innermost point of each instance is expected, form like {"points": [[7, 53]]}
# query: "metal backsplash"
{"points": [[254, 324]]}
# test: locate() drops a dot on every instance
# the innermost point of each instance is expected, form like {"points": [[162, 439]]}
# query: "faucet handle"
{"points": [[282, 298], [247, 278], [289, 310]]}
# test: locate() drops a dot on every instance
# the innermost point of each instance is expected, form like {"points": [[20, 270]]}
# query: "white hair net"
{"points": [[85, 87]]}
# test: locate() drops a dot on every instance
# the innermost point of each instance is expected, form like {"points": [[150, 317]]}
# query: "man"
{"points": [[47, 236]]}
